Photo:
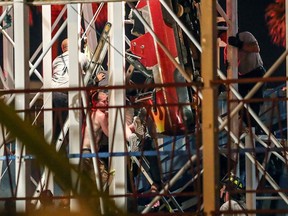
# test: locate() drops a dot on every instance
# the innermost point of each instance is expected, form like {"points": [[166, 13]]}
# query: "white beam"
{"points": [[47, 78], [117, 98], [73, 27], [250, 174], [21, 29], [7, 76]]}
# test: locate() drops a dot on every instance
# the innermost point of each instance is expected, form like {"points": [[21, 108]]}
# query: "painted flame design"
{"points": [[159, 119]]}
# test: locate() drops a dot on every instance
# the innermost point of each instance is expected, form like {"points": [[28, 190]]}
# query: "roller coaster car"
{"points": [[170, 105]]}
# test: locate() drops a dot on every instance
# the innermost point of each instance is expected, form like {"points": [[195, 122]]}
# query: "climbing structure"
{"points": [[161, 60]]}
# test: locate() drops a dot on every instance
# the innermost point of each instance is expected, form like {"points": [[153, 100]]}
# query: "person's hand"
{"points": [[100, 76], [235, 41]]}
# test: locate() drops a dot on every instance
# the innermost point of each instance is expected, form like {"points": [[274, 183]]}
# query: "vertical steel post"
{"points": [[209, 108], [232, 70], [8, 66], [21, 30], [117, 98], [250, 174], [73, 27], [47, 77]]}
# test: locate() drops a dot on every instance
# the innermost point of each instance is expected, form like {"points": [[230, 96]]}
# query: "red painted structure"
{"points": [[168, 116]]}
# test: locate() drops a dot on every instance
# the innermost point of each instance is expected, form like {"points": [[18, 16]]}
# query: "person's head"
{"points": [[231, 188], [64, 45], [100, 100], [222, 29]]}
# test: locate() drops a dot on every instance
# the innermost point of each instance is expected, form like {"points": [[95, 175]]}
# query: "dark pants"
{"points": [[244, 88], [154, 172], [153, 162], [60, 112]]}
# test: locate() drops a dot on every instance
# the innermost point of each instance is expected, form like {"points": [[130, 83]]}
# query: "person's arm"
{"points": [[243, 45], [94, 82], [131, 127], [100, 76]]}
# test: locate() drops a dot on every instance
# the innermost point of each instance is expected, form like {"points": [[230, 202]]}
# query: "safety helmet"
{"points": [[233, 182]]}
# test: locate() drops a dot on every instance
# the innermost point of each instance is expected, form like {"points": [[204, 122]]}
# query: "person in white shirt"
{"points": [[60, 76], [60, 79], [250, 65]]}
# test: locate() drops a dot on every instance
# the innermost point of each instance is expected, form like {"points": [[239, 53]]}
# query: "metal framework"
{"points": [[17, 91]]}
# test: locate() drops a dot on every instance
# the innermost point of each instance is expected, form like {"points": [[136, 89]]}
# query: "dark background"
{"points": [[251, 17]]}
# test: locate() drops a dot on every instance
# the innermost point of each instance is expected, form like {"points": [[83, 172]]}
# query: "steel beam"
{"points": [[74, 17], [209, 107], [117, 98], [21, 29]]}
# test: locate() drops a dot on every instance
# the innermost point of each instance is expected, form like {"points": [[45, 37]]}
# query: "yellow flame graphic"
{"points": [[159, 119]]}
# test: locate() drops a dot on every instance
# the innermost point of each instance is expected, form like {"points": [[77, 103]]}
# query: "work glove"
{"points": [[235, 41]]}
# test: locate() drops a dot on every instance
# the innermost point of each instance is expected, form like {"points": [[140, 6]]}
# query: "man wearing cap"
{"points": [[231, 194]]}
